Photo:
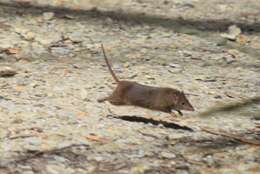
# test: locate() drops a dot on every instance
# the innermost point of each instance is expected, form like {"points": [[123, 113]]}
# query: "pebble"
{"points": [[58, 169], [139, 169], [126, 65], [29, 35], [232, 34], [48, 15], [53, 169], [174, 65], [59, 158], [7, 71], [149, 77], [27, 172], [229, 59], [168, 155], [34, 141], [210, 160], [182, 172]]}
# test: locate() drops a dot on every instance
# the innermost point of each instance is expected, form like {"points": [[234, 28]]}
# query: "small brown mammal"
{"points": [[154, 98]]}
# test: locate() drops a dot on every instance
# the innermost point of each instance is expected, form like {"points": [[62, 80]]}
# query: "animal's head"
{"points": [[183, 103]]}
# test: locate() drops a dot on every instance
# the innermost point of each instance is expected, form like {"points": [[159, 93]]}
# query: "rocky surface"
{"points": [[51, 122]]}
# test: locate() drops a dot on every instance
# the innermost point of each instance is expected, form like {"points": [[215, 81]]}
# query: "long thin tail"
{"points": [[108, 64]]}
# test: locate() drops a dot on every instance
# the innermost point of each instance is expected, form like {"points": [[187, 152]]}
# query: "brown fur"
{"points": [[154, 98]]}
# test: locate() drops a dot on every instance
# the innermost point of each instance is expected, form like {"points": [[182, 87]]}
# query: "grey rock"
{"points": [[58, 169], [48, 15], [60, 159], [7, 71], [233, 32], [182, 172], [27, 172], [168, 155]]}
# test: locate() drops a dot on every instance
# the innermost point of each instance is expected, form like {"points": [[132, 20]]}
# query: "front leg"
{"points": [[173, 114], [173, 117], [180, 112]]}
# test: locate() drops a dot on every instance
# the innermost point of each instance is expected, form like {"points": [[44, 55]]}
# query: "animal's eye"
{"points": [[183, 103]]}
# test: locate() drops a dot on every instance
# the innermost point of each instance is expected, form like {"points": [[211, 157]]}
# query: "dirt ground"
{"points": [[51, 122]]}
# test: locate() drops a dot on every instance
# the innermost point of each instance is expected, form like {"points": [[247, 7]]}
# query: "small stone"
{"points": [[60, 159], [7, 71], [69, 16], [168, 155], [173, 65], [133, 76], [223, 7], [242, 39], [34, 141], [83, 94], [12, 50], [23, 167], [233, 52], [58, 168], [218, 97], [108, 20], [139, 169], [76, 66], [187, 53], [126, 65], [75, 37], [28, 172], [149, 77], [52, 169], [29, 36], [48, 16], [209, 159], [233, 33], [182, 172], [99, 158], [229, 59]]}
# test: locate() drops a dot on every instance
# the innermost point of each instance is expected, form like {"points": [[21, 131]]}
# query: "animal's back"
{"points": [[144, 96]]}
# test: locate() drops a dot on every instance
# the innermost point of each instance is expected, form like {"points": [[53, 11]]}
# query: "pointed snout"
{"points": [[190, 108]]}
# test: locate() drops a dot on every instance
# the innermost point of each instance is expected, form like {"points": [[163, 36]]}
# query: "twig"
{"points": [[20, 136], [190, 160], [225, 134], [41, 153], [147, 134]]}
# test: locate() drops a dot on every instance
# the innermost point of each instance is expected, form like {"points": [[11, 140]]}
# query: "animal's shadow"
{"points": [[139, 119]]}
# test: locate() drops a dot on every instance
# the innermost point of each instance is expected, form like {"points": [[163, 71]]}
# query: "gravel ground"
{"points": [[51, 122]]}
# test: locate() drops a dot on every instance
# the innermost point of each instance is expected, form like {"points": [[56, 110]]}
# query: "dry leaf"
{"points": [[96, 138], [12, 50], [111, 128], [81, 114], [19, 88], [66, 72], [44, 136], [241, 39]]}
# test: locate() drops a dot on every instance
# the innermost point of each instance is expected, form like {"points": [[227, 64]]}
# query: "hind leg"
{"points": [[112, 100], [100, 100], [116, 101]]}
